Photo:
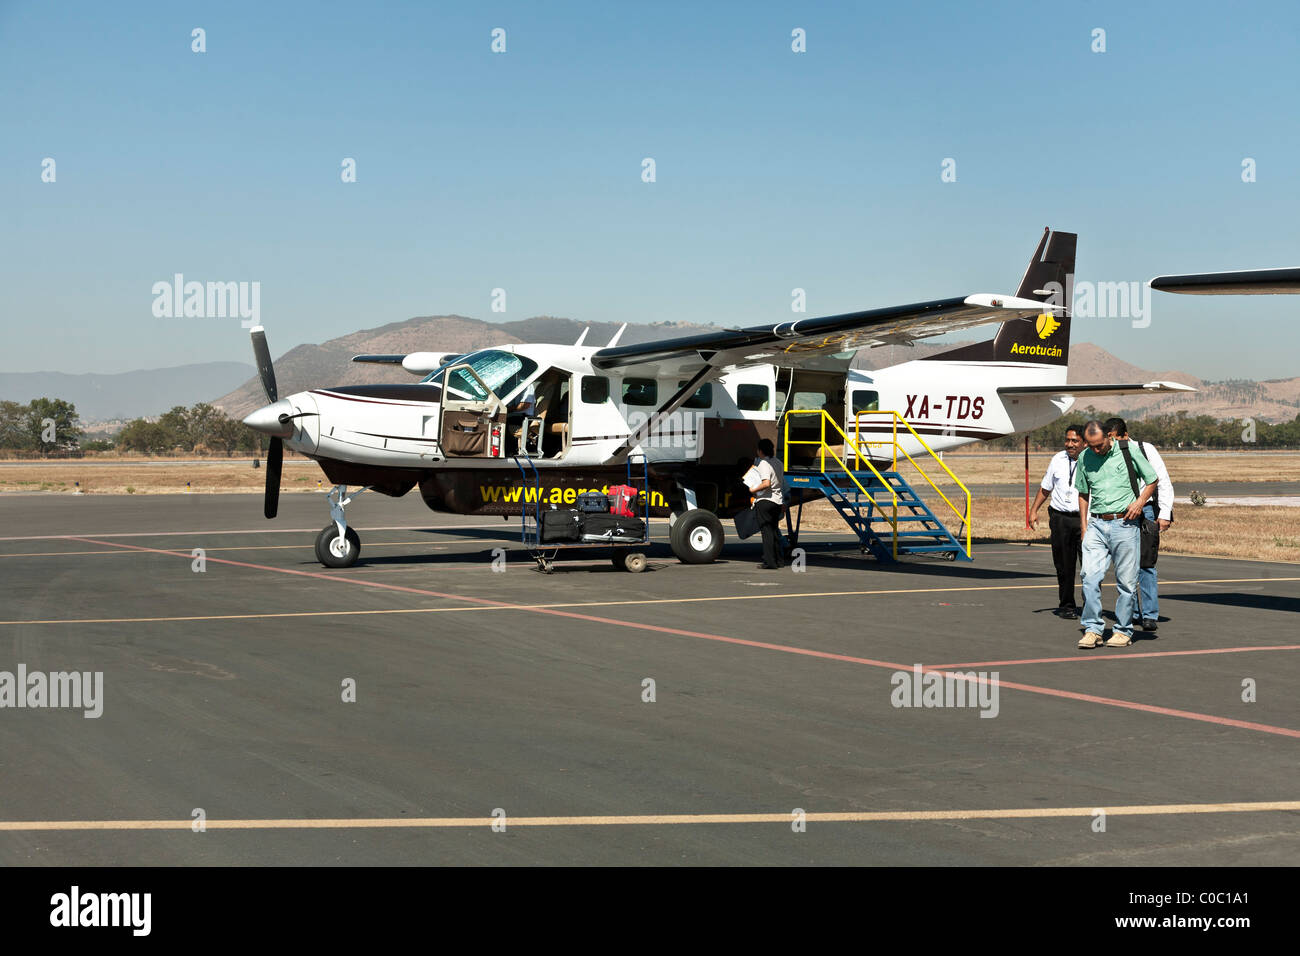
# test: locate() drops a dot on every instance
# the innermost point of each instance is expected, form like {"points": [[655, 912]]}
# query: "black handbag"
{"points": [[746, 523], [1150, 549]]}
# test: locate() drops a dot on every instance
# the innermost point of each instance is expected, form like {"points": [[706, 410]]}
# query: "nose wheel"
{"points": [[335, 552], [338, 546]]}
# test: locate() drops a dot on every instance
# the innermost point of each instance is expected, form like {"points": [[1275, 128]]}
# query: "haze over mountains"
{"points": [[103, 397], [234, 386]]}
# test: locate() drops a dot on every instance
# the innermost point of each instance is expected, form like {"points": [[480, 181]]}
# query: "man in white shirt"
{"points": [[1063, 518], [766, 484], [1159, 509]]}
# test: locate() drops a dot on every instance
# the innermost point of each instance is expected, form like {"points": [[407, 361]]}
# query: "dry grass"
{"points": [[1262, 534], [1185, 468], [159, 478]]}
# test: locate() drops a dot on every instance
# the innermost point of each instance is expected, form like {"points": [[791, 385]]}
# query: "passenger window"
{"points": [[703, 397], [810, 400], [640, 391], [864, 401], [752, 398], [595, 389]]}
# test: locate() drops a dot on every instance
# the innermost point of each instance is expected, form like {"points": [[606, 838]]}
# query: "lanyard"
{"points": [[1073, 462]]}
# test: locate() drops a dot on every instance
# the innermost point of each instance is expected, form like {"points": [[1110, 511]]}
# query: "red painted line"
{"points": [[1112, 657], [487, 602], [784, 648]]}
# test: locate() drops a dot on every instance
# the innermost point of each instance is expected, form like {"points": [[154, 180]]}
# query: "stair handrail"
{"points": [[826, 417], [965, 516]]}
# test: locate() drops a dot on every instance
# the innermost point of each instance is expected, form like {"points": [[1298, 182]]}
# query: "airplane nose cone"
{"points": [[272, 419]]}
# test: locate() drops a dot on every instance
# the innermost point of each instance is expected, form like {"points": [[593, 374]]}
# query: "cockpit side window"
{"points": [[502, 372]]}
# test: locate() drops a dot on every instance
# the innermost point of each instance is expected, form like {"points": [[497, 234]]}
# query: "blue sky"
{"points": [[522, 170]]}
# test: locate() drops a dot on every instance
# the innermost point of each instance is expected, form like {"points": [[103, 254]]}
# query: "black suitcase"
{"points": [[562, 525], [606, 527], [593, 502]]}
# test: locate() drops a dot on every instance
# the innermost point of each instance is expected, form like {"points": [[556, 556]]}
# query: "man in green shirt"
{"points": [[1111, 515]]}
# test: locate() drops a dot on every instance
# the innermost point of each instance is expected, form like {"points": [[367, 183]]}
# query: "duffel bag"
{"points": [[562, 524]]}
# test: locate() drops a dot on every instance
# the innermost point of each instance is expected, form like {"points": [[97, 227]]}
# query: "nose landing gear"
{"points": [[338, 546]]}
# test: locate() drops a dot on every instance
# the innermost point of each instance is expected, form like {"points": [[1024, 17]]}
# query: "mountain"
{"points": [[101, 398], [329, 363]]}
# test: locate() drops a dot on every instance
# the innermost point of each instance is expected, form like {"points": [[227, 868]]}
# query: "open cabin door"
{"points": [[546, 432], [806, 390], [473, 417]]}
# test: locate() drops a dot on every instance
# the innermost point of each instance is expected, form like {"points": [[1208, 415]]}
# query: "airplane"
{"points": [[487, 432]]}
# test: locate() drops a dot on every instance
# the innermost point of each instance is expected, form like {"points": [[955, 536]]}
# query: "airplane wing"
{"points": [[1249, 282], [1148, 388], [819, 341], [380, 359]]}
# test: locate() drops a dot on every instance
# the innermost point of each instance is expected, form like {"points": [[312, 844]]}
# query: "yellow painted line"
{"points": [[658, 819], [649, 601]]}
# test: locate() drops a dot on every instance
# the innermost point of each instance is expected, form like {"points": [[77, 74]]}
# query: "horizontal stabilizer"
{"points": [[1136, 389], [417, 363], [1248, 282]]}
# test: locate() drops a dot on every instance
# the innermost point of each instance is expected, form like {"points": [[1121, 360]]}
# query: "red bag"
{"points": [[622, 501]]}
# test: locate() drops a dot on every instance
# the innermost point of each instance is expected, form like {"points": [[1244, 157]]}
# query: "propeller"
{"points": [[275, 452]]}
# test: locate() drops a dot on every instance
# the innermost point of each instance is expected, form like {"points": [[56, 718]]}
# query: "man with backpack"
{"points": [[1159, 509], [1114, 483]]}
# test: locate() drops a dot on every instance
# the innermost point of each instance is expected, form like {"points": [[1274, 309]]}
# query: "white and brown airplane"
{"points": [[692, 406]]}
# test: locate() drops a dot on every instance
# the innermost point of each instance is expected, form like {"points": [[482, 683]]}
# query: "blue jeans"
{"points": [[1148, 581], [1104, 540]]}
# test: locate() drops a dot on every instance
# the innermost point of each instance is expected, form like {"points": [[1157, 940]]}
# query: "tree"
{"points": [[52, 424]]}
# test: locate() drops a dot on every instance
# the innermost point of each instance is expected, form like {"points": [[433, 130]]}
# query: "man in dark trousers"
{"points": [[1063, 519], [766, 484]]}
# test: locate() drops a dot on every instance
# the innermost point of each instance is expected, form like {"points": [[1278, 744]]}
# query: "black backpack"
{"points": [[1150, 551]]}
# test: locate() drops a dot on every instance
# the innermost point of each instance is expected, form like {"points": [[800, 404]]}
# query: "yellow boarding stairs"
{"points": [[884, 511]]}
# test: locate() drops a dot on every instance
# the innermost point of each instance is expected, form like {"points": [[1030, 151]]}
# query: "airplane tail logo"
{"points": [[1046, 325]]}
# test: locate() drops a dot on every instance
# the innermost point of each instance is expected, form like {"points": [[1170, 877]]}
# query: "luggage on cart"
{"points": [[593, 502], [622, 500], [562, 524], [598, 527]]}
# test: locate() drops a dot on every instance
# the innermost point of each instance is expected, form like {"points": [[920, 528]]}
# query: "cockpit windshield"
{"points": [[500, 371]]}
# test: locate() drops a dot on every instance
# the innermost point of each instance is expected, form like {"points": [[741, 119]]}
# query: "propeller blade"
{"points": [[262, 353], [274, 464]]}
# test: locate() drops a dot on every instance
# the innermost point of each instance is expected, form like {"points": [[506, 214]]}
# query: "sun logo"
{"points": [[1046, 325]]}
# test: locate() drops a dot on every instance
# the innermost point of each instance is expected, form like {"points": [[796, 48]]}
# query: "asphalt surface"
{"points": [[513, 691]]}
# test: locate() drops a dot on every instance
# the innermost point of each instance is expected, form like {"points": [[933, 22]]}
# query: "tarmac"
{"points": [[717, 714]]}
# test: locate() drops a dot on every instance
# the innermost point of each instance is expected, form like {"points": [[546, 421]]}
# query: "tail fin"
{"points": [[1044, 340]]}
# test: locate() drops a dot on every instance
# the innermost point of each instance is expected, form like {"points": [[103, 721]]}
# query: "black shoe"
{"points": [[1067, 613], [1149, 624], [770, 567]]}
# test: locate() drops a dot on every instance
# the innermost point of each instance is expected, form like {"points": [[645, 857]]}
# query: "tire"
{"points": [[696, 537], [633, 561], [325, 553]]}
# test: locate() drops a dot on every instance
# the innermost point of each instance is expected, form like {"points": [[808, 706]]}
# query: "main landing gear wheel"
{"points": [[633, 561], [696, 537], [335, 552]]}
